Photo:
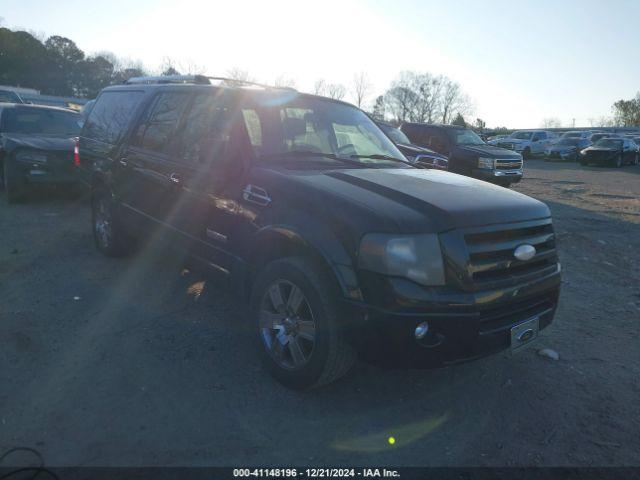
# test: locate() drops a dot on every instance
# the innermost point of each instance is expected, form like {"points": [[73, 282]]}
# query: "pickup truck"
{"points": [[526, 142]]}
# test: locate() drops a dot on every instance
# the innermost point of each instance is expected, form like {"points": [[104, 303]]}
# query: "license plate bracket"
{"points": [[524, 333]]}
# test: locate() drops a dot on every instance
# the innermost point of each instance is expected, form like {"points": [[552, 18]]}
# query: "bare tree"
{"points": [[282, 81], [336, 91], [240, 75], [320, 87], [190, 67], [361, 88], [378, 108], [454, 101], [168, 67], [551, 122]]}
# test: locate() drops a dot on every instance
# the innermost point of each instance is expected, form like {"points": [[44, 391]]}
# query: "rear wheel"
{"points": [[15, 187], [109, 236], [302, 341], [526, 153]]}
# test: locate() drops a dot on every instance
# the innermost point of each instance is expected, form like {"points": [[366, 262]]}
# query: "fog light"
{"points": [[421, 330]]}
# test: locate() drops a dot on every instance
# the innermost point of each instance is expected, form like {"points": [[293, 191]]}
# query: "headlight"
{"points": [[416, 257], [486, 163], [32, 157]]}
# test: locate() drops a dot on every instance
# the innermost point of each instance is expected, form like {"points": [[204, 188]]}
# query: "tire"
{"points": [[15, 188], [109, 235], [526, 153], [299, 324], [636, 159], [584, 163]]}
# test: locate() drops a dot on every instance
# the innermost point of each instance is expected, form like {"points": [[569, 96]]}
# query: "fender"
{"points": [[317, 238]]}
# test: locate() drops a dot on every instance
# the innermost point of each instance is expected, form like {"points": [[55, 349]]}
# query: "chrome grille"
{"points": [[491, 253], [508, 164], [507, 145]]}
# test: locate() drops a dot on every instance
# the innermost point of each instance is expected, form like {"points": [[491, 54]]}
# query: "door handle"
{"points": [[123, 161], [174, 178]]}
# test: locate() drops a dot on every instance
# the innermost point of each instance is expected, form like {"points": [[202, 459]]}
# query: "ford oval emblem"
{"points": [[526, 335], [525, 252]]}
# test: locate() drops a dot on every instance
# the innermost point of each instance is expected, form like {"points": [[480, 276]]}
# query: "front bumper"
{"points": [[463, 326], [497, 175]]}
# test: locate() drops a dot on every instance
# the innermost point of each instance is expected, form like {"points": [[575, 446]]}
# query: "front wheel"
{"points": [[526, 153], [109, 236], [299, 324]]}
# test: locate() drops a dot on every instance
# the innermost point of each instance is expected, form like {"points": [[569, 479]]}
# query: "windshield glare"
{"points": [[40, 121], [312, 125], [465, 137], [395, 134], [609, 142]]}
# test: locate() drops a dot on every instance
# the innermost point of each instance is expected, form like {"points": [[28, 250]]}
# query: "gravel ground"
{"points": [[139, 361]]}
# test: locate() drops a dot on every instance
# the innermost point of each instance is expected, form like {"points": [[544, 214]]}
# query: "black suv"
{"points": [[468, 153], [339, 245]]}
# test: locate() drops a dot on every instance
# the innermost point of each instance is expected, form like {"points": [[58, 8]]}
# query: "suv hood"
{"points": [[38, 142], [486, 151], [435, 201]]}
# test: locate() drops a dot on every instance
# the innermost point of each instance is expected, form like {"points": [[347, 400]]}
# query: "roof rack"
{"points": [[196, 79]]}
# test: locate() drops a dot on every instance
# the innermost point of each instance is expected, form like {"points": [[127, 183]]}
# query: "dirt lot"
{"points": [[138, 362]]}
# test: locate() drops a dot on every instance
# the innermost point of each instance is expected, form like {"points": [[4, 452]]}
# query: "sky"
{"points": [[520, 61]]}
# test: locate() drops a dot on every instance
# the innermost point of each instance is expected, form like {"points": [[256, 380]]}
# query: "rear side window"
{"points": [[110, 115], [207, 130], [158, 125]]}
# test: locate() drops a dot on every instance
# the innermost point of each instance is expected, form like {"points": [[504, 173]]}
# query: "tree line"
{"points": [[57, 66]]}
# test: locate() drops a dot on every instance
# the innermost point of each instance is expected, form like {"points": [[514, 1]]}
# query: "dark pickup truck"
{"points": [[468, 154], [339, 245]]}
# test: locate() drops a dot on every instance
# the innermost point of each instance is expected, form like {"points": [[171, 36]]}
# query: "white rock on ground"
{"points": [[547, 352]]}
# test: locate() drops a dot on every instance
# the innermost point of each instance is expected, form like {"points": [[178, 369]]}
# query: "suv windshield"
{"points": [[609, 143], [37, 120], [464, 137], [395, 134], [522, 135], [311, 128]]}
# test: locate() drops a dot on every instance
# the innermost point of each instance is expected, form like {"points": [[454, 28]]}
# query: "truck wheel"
{"points": [[294, 307], [108, 234], [526, 153], [14, 186]]}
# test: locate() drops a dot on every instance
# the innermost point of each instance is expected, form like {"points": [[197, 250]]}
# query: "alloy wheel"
{"points": [[287, 325], [102, 222]]}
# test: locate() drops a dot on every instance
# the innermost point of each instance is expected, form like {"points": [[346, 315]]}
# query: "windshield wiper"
{"points": [[311, 153], [378, 156]]}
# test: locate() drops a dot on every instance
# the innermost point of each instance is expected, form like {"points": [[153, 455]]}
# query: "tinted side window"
{"points": [[437, 141], [110, 115], [158, 125], [207, 130]]}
